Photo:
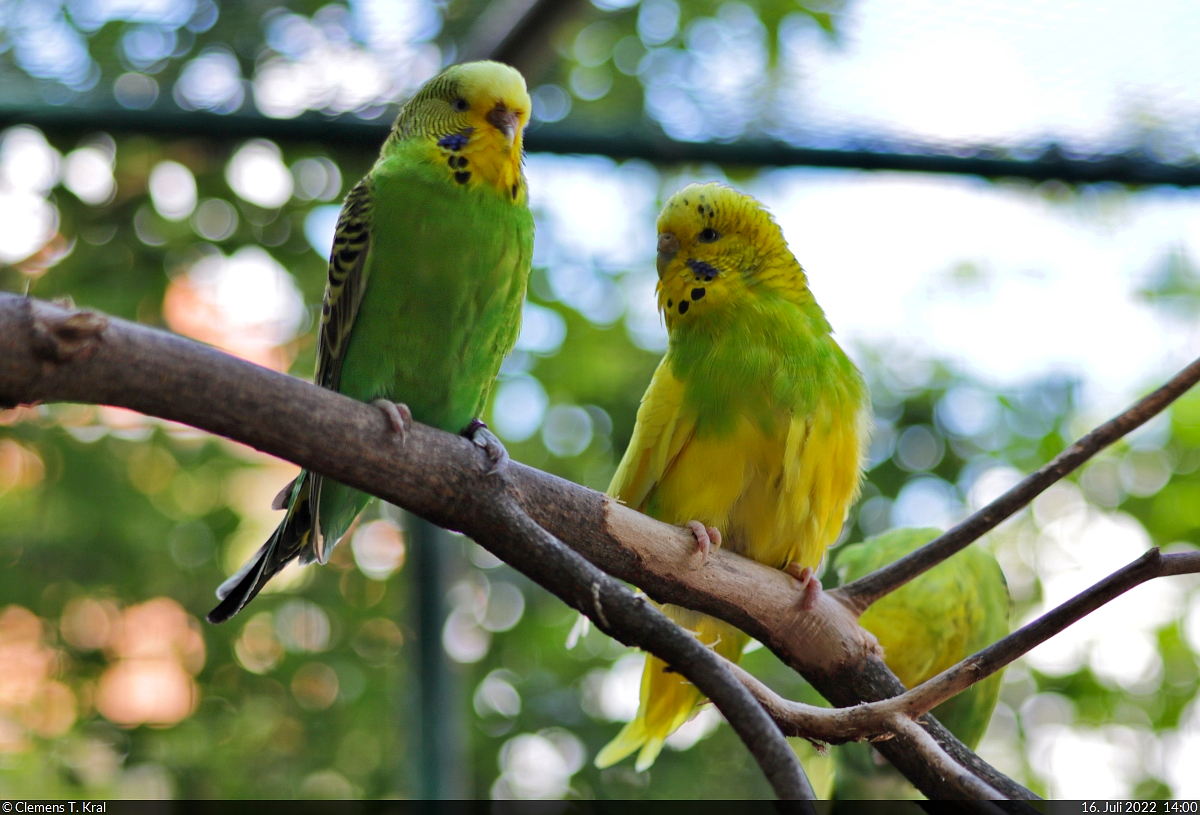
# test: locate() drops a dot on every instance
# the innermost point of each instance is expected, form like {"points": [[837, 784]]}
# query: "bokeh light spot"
{"points": [[257, 650], [542, 330], [87, 622], [519, 407], [135, 91], [550, 103], [302, 626], [315, 686], [567, 430], [258, 175], [172, 190], [212, 81], [156, 648], [247, 304], [378, 640], [320, 225], [505, 605], [316, 178], [88, 173], [496, 696], [215, 219], [379, 549], [20, 467]]}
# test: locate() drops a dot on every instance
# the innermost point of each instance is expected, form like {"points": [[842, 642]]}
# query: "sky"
{"points": [[1011, 281], [1086, 75]]}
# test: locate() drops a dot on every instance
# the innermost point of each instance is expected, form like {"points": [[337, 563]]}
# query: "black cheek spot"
{"points": [[462, 162], [462, 177], [697, 294], [683, 307], [450, 160], [670, 303], [515, 190]]}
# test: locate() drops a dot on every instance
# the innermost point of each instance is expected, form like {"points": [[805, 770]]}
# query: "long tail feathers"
{"points": [[287, 542], [240, 589], [667, 699]]}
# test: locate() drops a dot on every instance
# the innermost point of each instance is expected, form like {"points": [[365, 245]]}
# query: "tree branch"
{"points": [[866, 590], [621, 614], [979, 666], [491, 516], [50, 354], [877, 720]]}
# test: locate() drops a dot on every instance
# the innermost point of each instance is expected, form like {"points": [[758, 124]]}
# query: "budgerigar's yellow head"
{"points": [[473, 117], [718, 247]]}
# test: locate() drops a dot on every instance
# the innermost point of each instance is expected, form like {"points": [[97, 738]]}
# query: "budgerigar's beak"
{"points": [[668, 246], [505, 120]]}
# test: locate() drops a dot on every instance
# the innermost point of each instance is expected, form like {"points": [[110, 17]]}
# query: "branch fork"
{"points": [[576, 542]]}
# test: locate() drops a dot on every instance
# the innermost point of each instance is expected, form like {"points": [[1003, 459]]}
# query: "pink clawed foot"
{"points": [[707, 539], [478, 433], [809, 584], [398, 415]]}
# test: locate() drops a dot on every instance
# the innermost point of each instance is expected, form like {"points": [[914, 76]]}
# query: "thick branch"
{"points": [[48, 354], [866, 590], [494, 519]]}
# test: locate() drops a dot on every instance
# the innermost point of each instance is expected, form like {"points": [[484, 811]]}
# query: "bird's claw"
{"points": [[478, 433], [398, 415], [810, 584], [707, 539]]}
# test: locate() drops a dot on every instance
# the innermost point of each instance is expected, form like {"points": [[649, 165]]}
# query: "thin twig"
{"points": [[879, 720], [866, 590], [876, 719], [974, 668], [938, 758], [819, 724]]}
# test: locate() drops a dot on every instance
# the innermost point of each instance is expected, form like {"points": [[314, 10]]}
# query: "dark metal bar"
{"points": [[518, 32], [442, 750], [635, 143], [526, 47]]}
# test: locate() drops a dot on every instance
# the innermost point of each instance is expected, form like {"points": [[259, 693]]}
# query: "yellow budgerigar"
{"points": [[752, 430]]}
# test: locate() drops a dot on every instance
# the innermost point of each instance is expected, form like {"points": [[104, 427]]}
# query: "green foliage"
{"points": [[313, 690], [101, 506]]}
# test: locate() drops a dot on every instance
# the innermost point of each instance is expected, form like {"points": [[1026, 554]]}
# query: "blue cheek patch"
{"points": [[455, 141], [702, 270]]}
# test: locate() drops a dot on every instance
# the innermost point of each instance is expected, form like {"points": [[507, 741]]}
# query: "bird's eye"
{"points": [[708, 235], [461, 105]]}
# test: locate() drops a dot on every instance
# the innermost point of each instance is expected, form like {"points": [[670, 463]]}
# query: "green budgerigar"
{"points": [[931, 623], [427, 279]]}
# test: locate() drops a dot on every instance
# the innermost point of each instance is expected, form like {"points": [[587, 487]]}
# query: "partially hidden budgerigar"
{"points": [[936, 620], [427, 279], [753, 427]]}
